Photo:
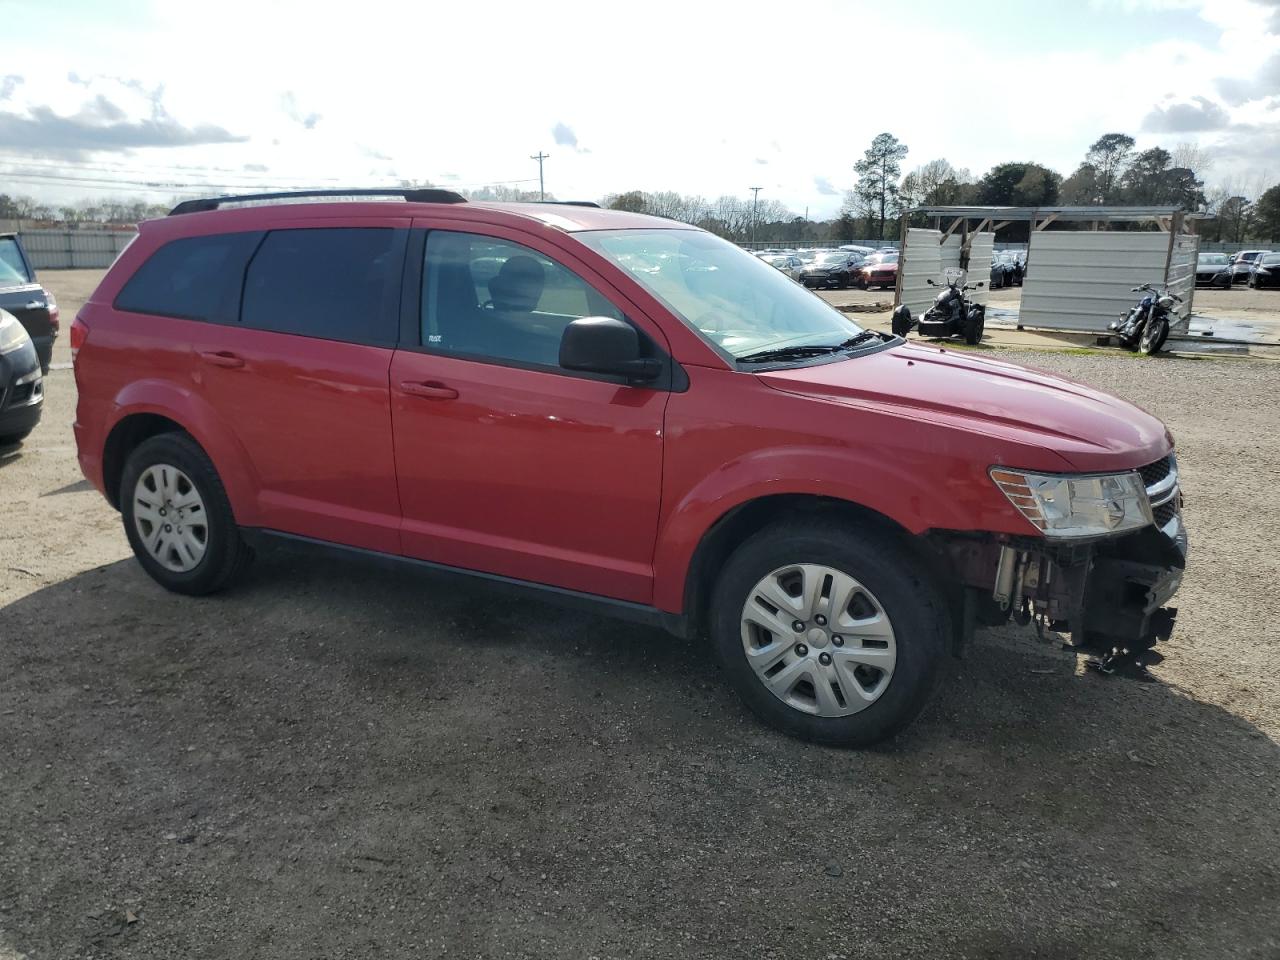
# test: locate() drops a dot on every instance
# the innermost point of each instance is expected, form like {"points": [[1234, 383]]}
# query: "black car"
{"points": [[831, 268], [23, 297], [1266, 272], [1242, 264], [1006, 271], [21, 384], [1213, 270]]}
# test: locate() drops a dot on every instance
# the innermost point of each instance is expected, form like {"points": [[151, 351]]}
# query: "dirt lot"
{"points": [[335, 762]]}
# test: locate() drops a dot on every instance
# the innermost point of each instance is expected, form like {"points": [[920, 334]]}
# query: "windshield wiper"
{"points": [[782, 354]]}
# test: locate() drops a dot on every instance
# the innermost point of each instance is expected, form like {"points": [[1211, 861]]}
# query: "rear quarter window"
{"points": [[194, 278], [335, 283], [13, 269]]}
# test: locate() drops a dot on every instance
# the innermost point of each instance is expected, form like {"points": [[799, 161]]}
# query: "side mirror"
{"points": [[929, 281], [606, 345], [980, 283]]}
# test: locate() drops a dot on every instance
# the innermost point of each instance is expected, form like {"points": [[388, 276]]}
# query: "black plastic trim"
{"points": [[592, 603]]}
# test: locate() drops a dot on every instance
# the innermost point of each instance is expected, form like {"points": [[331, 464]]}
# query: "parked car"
{"points": [[1266, 272], [1014, 264], [21, 383], [23, 297], [879, 270], [789, 264], [831, 268], [1213, 270], [1006, 271], [630, 415], [863, 252], [1242, 264]]}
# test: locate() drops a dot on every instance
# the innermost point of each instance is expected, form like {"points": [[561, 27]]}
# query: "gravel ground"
{"points": [[333, 761]]}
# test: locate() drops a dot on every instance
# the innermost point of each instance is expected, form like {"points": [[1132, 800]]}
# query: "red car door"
{"points": [[301, 378], [507, 463]]}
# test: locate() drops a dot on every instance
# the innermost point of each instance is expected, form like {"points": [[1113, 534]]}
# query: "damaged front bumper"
{"points": [[1111, 595]]}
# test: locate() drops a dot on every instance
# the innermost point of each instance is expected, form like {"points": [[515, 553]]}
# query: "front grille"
{"points": [[1164, 513], [1153, 473]]}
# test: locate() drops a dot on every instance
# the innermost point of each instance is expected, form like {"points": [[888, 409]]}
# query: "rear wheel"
{"points": [[901, 322], [828, 632], [177, 516]]}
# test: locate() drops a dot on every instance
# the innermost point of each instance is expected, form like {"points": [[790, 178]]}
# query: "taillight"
{"points": [[79, 334], [54, 314]]}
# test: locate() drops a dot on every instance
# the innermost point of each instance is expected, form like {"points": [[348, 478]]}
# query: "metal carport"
{"points": [[1076, 279]]}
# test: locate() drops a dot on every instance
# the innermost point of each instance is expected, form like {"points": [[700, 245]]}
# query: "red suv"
{"points": [[606, 408]]}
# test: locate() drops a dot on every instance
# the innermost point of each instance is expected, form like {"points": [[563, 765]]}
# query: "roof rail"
{"points": [[570, 203], [410, 196]]}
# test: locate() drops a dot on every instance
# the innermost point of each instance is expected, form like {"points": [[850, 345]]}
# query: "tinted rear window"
{"points": [[197, 278], [336, 283], [13, 269]]}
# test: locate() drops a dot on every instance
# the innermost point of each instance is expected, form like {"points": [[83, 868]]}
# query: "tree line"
{"points": [[1112, 172]]}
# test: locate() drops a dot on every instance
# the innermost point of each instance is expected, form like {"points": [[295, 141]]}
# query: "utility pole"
{"points": [[540, 156], [755, 206]]}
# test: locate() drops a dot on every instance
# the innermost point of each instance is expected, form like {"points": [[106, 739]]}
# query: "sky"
{"points": [[153, 99]]}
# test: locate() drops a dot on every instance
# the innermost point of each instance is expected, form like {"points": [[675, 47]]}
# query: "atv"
{"points": [[952, 314]]}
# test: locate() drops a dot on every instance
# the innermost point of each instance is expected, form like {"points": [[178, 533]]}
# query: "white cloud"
{"points": [[324, 93]]}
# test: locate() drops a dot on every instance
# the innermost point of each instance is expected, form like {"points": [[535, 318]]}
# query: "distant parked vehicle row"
{"points": [[22, 296], [1242, 264]]}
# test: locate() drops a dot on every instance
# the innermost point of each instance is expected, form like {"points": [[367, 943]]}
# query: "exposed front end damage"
{"points": [[1110, 594]]}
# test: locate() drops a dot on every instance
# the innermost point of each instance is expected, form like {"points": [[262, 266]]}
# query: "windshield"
{"points": [[741, 305], [1219, 259], [883, 258], [832, 257], [12, 268], [1270, 260]]}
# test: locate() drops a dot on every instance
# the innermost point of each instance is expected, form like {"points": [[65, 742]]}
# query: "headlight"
{"points": [[1167, 302], [1067, 506], [12, 334]]}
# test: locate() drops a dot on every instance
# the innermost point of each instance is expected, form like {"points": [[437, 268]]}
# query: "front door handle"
{"points": [[430, 390], [221, 358]]}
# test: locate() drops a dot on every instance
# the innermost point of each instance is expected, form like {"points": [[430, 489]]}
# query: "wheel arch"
{"points": [[741, 521], [148, 408]]}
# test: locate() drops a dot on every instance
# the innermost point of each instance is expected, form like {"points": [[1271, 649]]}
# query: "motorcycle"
{"points": [[951, 315], [1146, 326]]}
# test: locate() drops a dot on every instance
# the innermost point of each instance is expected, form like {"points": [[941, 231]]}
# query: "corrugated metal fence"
{"points": [[60, 249], [1082, 280]]}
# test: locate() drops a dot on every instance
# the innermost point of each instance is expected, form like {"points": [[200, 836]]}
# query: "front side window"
{"points": [[196, 278], [494, 299], [13, 269], [335, 283], [735, 300]]}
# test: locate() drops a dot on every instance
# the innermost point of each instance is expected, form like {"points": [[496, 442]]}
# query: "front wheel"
{"points": [[973, 326], [829, 632], [177, 516], [1154, 335], [901, 322]]}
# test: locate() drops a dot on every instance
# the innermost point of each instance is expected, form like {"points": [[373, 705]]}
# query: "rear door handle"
{"points": [[430, 390], [221, 358]]}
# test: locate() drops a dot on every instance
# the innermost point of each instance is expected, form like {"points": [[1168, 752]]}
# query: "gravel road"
{"points": [[333, 761]]}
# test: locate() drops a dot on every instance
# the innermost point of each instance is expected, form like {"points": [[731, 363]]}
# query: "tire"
{"points": [[973, 326], [901, 322], [224, 554], [1153, 337], [1252, 284], [888, 585], [11, 439]]}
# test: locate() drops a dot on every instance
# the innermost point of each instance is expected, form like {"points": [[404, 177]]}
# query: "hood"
{"points": [[892, 265], [1090, 430]]}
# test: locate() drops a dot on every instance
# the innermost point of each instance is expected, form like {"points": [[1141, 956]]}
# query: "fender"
{"points": [[941, 496], [197, 416]]}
